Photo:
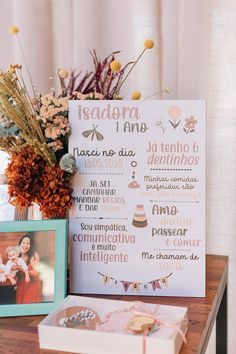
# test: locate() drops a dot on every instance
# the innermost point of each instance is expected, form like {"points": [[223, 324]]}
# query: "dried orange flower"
{"points": [[31, 180], [54, 197], [24, 176]]}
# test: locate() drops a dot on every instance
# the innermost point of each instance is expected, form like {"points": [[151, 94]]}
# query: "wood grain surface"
{"points": [[19, 335]]}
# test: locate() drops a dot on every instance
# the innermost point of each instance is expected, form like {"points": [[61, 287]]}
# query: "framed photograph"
{"points": [[33, 266]]}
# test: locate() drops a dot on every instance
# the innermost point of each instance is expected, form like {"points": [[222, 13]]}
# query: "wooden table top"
{"points": [[19, 334]]}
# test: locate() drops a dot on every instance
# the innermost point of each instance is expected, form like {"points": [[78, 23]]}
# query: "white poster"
{"points": [[138, 224]]}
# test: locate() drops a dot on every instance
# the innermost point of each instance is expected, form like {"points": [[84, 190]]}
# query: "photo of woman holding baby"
{"points": [[27, 267], [33, 266], [28, 292]]}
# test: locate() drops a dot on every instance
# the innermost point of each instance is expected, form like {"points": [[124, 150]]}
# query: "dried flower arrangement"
{"points": [[34, 131]]}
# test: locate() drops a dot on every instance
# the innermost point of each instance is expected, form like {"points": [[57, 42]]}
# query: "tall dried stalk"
{"points": [[16, 104]]}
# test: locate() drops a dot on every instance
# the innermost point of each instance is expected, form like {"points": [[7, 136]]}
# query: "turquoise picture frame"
{"points": [[60, 264]]}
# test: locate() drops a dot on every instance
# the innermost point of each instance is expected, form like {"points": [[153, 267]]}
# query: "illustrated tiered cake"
{"points": [[139, 219]]}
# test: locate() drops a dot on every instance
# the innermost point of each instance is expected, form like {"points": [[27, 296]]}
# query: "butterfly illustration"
{"points": [[93, 133]]}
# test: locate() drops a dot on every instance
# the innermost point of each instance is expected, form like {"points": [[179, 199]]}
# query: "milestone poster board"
{"points": [[138, 221]]}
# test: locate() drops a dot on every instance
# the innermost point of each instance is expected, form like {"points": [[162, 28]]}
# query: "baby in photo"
{"points": [[2, 271], [15, 260]]}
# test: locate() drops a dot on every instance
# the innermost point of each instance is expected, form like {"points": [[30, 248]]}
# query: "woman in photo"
{"points": [[27, 293]]}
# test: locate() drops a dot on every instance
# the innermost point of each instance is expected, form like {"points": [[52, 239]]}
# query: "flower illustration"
{"points": [[190, 123], [159, 124], [174, 113]]}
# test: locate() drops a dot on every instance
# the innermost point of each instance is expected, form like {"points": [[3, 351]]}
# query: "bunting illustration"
{"points": [[136, 286]]}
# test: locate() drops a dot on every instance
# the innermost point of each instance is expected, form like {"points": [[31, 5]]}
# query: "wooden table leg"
{"points": [[221, 326]]}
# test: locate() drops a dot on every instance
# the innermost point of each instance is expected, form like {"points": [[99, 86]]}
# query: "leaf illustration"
{"points": [[176, 125], [173, 125]]}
